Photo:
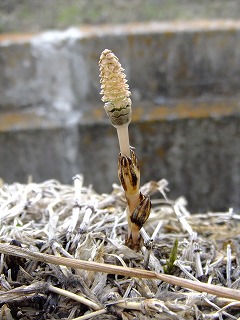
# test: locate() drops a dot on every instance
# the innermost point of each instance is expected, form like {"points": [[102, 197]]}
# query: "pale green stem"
{"points": [[123, 138]]}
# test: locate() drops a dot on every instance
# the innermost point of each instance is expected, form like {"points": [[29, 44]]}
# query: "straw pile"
{"points": [[54, 221]]}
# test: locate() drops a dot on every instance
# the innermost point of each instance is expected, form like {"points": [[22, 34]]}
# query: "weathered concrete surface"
{"points": [[195, 145], [60, 69], [37, 146], [186, 111]]}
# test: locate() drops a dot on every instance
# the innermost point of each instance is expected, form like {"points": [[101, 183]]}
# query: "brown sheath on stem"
{"points": [[139, 206]]}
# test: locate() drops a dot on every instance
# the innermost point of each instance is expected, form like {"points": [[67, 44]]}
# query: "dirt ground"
{"points": [[54, 237], [35, 15]]}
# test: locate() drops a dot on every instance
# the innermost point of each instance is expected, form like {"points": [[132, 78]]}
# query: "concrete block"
{"points": [[195, 145], [59, 69], [37, 146]]}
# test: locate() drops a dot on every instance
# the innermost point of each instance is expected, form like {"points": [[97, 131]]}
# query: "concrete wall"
{"points": [[184, 79]]}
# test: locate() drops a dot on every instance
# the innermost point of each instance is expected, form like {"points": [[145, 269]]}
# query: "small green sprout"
{"points": [[169, 268]]}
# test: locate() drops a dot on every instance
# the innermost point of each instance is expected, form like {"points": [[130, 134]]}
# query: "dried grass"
{"points": [[73, 264]]}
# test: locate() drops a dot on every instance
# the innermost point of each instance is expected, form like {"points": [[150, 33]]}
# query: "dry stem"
{"points": [[113, 269]]}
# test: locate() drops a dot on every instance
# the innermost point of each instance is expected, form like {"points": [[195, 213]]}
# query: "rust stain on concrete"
{"points": [[186, 109], [12, 121], [179, 109], [137, 28], [140, 113], [16, 37]]}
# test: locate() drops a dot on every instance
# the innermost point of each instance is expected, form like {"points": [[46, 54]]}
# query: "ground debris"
{"points": [[76, 222]]}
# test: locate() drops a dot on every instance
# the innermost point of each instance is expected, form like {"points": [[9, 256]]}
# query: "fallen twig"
{"points": [[113, 269]]}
